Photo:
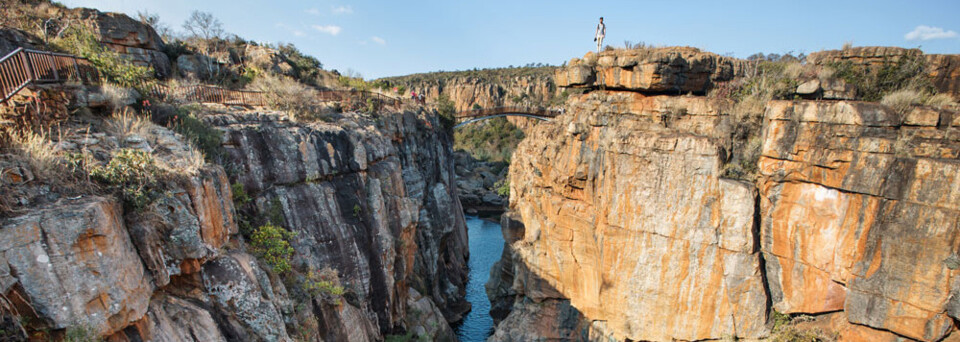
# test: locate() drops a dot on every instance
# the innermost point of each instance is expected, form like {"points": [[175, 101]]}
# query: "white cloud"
{"points": [[332, 30], [313, 11], [342, 9], [292, 31], [924, 32], [378, 40]]}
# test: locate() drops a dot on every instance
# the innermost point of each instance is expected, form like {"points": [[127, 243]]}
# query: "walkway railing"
{"points": [[209, 94], [24, 66]]}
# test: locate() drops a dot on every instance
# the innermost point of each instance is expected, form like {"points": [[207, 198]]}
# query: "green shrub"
{"points": [[447, 109], [503, 187], [356, 210], [200, 134], [132, 173], [325, 284], [81, 334], [272, 245], [240, 197], [490, 140]]}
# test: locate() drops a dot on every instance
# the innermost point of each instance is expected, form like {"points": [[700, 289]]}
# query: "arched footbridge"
{"points": [[471, 116]]}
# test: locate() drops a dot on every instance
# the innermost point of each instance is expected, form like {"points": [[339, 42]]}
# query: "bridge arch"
{"points": [[481, 118], [471, 116]]}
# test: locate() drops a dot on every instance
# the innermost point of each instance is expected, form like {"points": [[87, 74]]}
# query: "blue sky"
{"points": [[380, 38]]}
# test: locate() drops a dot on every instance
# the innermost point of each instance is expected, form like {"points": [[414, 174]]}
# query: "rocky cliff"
{"points": [[485, 88], [622, 226], [375, 200], [372, 199]]}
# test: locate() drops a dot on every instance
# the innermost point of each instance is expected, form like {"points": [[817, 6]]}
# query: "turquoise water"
{"points": [[486, 244]]}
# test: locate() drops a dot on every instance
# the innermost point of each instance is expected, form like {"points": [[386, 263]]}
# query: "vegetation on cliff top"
{"points": [[487, 74]]}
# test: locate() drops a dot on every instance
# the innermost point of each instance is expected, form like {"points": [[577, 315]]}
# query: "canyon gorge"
{"points": [[677, 195]]}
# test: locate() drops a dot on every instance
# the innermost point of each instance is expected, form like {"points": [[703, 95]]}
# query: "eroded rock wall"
{"points": [[373, 199], [619, 208], [626, 216], [859, 214]]}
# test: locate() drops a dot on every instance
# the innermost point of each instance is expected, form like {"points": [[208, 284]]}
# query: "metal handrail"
{"points": [[22, 66]]}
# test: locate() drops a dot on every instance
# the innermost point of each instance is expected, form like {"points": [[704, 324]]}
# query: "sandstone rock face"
{"points": [[75, 265], [186, 227], [137, 41], [674, 69], [858, 214], [375, 201], [624, 211]]}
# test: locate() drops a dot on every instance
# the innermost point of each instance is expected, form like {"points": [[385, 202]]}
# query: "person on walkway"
{"points": [[601, 32]]}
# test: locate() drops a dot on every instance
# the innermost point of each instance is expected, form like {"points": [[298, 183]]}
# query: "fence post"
{"points": [[25, 59], [77, 69], [53, 66]]}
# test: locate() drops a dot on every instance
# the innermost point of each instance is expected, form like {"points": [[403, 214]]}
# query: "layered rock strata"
{"points": [[858, 212], [622, 213], [624, 210], [676, 70]]}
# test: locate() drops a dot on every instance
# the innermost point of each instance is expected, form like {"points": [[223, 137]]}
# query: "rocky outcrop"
{"points": [[75, 265], [943, 70], [855, 201], [624, 210], [653, 70], [477, 183], [11, 39], [136, 41]]}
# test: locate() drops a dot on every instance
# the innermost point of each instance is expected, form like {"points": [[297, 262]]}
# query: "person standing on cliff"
{"points": [[601, 32]]}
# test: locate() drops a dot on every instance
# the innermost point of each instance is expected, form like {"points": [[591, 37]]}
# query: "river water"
{"points": [[486, 244]]}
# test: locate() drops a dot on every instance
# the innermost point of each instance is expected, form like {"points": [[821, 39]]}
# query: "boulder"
{"points": [[75, 265]]}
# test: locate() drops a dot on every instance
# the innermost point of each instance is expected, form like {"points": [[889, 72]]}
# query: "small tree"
{"points": [[203, 25]]}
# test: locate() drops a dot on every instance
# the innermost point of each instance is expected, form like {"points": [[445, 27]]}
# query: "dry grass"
{"points": [[189, 163], [901, 100], [940, 101], [117, 96], [40, 153], [126, 123], [285, 93]]}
